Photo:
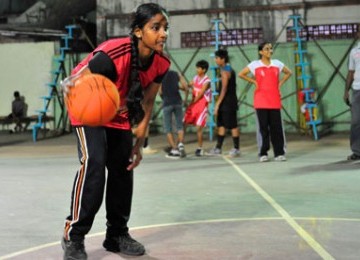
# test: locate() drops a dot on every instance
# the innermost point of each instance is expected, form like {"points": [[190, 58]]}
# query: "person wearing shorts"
{"points": [[172, 83], [196, 112], [226, 106]]}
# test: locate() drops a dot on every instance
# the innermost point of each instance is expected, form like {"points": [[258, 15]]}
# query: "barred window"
{"points": [[325, 32], [228, 37]]}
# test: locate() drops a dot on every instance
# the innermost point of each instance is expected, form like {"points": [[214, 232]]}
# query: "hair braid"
{"points": [[135, 94]]}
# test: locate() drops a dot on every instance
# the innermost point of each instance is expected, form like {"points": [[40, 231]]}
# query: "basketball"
{"points": [[93, 100]]}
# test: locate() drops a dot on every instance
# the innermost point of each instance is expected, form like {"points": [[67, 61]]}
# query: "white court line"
{"points": [[286, 216], [32, 249]]}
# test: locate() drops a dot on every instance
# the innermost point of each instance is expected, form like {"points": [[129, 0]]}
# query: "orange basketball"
{"points": [[93, 100]]}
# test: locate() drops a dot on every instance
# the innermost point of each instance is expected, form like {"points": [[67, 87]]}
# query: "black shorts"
{"points": [[227, 119]]}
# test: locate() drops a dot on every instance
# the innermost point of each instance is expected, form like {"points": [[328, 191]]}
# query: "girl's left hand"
{"points": [[135, 156]]}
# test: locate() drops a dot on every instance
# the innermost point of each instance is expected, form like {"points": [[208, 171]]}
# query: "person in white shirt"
{"points": [[353, 83]]}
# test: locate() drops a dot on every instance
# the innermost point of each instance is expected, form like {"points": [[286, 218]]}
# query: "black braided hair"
{"points": [[135, 94], [141, 16]]}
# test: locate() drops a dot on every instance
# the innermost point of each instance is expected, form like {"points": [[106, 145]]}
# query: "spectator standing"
{"points": [[170, 88], [353, 83], [267, 100]]}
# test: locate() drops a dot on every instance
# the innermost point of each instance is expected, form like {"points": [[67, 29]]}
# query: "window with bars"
{"points": [[228, 37], [325, 32]]}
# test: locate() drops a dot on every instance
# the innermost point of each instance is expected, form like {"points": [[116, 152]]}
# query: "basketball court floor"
{"points": [[193, 208]]}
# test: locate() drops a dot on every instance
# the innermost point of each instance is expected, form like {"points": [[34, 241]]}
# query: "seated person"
{"points": [[18, 111]]}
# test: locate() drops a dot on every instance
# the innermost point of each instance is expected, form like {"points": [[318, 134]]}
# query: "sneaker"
{"points": [[73, 250], [214, 151], [148, 150], [234, 152], [124, 244], [181, 148], [264, 158], [173, 154], [199, 152], [167, 149], [353, 157], [280, 158]]}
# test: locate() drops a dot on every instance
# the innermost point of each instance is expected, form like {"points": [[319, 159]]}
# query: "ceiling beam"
{"points": [[252, 8]]}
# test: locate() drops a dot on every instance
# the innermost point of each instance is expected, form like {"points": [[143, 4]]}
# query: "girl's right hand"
{"points": [[68, 82]]}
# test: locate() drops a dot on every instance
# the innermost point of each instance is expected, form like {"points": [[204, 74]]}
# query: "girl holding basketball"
{"points": [[136, 65]]}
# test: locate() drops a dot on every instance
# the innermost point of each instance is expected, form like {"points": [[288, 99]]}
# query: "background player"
{"points": [[226, 106], [267, 100], [170, 88], [196, 112]]}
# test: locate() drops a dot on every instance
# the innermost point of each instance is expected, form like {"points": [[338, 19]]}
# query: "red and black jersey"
{"points": [[267, 95], [119, 51]]}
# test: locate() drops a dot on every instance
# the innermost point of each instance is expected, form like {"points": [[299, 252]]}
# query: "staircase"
{"points": [[214, 79], [53, 93], [307, 102]]}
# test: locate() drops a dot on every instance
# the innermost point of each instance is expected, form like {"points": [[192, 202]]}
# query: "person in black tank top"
{"points": [[226, 106]]}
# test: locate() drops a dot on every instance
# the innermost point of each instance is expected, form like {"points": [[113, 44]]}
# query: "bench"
{"points": [[21, 124]]}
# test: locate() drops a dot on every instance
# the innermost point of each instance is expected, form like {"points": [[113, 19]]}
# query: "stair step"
{"points": [[59, 59], [55, 72], [46, 97], [314, 122], [51, 84], [308, 90], [301, 64], [311, 105], [42, 111]]}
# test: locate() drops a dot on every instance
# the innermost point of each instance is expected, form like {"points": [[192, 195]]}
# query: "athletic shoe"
{"points": [[234, 152], [353, 157], [264, 158], [148, 150], [167, 149], [214, 151], [124, 244], [173, 154], [199, 152], [280, 158], [73, 250], [181, 148]]}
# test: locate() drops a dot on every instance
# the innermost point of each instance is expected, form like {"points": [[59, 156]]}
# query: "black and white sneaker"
{"points": [[73, 250], [173, 154], [181, 148], [199, 152], [124, 244]]}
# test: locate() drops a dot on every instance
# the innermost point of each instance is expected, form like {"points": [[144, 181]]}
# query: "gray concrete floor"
{"points": [[193, 208]]}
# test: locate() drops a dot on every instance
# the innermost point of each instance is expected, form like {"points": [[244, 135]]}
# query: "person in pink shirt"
{"points": [[196, 112], [267, 100]]}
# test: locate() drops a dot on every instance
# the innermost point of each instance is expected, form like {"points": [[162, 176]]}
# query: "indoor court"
{"points": [[192, 208]]}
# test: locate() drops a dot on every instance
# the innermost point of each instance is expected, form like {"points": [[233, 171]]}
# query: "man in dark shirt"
{"points": [[173, 105], [17, 111]]}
